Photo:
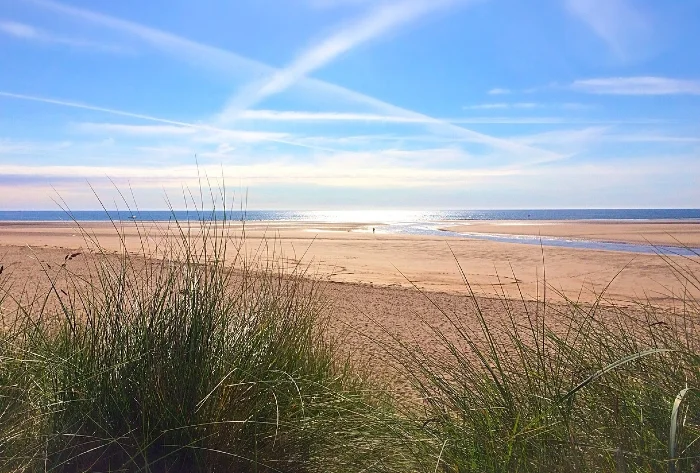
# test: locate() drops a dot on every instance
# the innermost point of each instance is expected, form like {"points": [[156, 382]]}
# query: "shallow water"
{"points": [[418, 228]]}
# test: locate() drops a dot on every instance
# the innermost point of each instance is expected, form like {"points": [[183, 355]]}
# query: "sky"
{"points": [[350, 104]]}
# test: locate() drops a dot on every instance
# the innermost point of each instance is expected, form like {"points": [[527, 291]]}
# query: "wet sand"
{"points": [[661, 232]]}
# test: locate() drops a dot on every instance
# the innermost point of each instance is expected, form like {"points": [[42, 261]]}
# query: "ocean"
{"points": [[353, 216]]}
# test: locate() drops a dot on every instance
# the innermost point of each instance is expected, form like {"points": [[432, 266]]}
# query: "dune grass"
{"points": [[212, 357], [203, 360], [562, 387]]}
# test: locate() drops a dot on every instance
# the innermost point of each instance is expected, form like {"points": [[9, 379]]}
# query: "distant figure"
{"points": [[372, 229]]}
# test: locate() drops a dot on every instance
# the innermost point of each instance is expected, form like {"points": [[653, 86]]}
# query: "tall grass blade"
{"points": [[673, 430]]}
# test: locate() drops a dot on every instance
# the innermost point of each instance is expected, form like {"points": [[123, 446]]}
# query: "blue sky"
{"points": [[318, 104]]}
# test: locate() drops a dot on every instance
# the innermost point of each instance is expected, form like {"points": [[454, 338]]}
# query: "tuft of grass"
{"points": [[557, 387], [208, 358]]}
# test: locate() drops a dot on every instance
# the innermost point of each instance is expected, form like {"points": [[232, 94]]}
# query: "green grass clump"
{"points": [[560, 388], [204, 360]]}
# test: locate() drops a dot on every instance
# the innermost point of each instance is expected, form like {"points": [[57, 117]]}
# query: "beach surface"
{"points": [[381, 283], [352, 253], [659, 232]]}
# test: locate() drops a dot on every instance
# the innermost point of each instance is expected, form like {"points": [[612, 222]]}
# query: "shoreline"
{"points": [[675, 233]]}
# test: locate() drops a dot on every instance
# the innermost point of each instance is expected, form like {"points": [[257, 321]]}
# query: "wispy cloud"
{"points": [[646, 137], [579, 137], [138, 130], [529, 105], [499, 91], [32, 33], [509, 120], [645, 85], [279, 115], [18, 30], [487, 106], [306, 116], [502, 105], [235, 64], [178, 130], [338, 3], [617, 22], [376, 23], [446, 127], [577, 106], [11, 147], [180, 48], [575, 137], [111, 111]]}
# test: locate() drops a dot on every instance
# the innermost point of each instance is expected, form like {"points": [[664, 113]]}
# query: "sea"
{"points": [[352, 216], [406, 222]]}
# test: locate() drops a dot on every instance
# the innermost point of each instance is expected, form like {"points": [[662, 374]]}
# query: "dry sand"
{"points": [[372, 276]]}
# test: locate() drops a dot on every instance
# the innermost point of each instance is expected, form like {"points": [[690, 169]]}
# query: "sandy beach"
{"points": [[351, 253], [372, 277]]}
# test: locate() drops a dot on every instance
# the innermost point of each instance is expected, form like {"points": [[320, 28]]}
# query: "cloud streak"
{"points": [[368, 118], [178, 130], [27, 32], [502, 106], [180, 48], [303, 116], [194, 126], [616, 22], [136, 130], [565, 137], [528, 105], [338, 3], [376, 23], [18, 30], [644, 85]]}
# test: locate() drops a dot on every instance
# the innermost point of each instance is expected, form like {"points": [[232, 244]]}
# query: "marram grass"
{"points": [[561, 387], [202, 360]]}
